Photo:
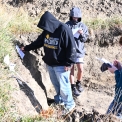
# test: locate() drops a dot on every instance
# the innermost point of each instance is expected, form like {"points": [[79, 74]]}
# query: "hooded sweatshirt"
{"points": [[76, 12], [57, 40], [118, 86]]}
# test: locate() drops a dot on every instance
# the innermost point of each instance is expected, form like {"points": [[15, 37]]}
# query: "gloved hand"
{"points": [[105, 67]]}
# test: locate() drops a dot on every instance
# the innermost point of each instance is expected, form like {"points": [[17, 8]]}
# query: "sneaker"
{"points": [[67, 111], [79, 87], [71, 108], [62, 104], [119, 117], [75, 91], [50, 101]]}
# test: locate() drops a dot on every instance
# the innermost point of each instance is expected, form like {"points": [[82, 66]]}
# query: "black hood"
{"points": [[48, 22]]}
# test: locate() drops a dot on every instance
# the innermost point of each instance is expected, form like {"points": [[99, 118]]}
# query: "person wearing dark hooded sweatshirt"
{"points": [[75, 24], [60, 54]]}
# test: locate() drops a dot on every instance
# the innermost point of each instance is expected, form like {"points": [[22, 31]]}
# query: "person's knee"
{"points": [[80, 70], [80, 67], [72, 71]]}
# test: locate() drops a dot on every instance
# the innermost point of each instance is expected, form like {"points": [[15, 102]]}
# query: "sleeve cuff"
{"points": [[116, 72]]}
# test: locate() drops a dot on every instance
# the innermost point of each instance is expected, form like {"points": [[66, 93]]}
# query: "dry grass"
{"points": [[103, 22], [13, 21]]}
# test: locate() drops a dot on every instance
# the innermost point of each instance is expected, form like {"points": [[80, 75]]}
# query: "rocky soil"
{"points": [[60, 8], [99, 86]]}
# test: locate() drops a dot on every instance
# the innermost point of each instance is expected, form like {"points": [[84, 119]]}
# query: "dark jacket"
{"points": [[57, 40], [118, 86]]}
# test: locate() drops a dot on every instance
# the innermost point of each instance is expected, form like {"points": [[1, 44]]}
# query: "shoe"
{"points": [[71, 108], [62, 104], [50, 101], [79, 87], [119, 117], [67, 111], [75, 91]]}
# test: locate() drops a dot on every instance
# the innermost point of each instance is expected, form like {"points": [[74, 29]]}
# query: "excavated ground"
{"points": [[98, 92]]}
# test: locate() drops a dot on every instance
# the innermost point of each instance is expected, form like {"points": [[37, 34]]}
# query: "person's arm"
{"points": [[117, 76], [36, 44], [113, 69], [83, 33]]}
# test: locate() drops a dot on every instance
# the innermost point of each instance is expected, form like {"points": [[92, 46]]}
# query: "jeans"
{"points": [[115, 108], [60, 79]]}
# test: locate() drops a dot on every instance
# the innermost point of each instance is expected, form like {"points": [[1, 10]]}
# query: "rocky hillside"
{"points": [[60, 8]]}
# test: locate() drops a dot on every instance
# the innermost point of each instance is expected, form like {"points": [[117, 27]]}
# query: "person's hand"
{"points": [[117, 64], [80, 31], [22, 48], [112, 69], [67, 68]]}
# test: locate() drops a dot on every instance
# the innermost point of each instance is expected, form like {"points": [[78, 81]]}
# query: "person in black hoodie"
{"points": [[60, 54]]}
